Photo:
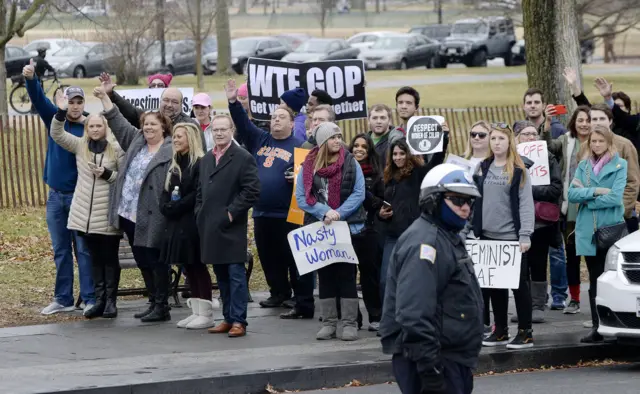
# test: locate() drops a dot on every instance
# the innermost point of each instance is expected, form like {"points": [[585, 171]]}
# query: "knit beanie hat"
{"points": [[521, 125], [324, 131], [166, 78], [295, 98]]}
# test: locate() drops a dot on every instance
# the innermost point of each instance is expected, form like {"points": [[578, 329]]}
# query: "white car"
{"points": [[366, 40], [618, 298], [53, 45]]}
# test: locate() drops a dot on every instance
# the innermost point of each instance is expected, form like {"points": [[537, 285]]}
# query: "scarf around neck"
{"points": [[598, 164], [333, 173]]}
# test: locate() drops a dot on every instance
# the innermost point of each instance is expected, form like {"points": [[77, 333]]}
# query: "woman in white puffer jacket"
{"points": [[98, 158]]}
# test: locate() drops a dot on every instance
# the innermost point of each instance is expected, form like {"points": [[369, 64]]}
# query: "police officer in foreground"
{"points": [[432, 310]]}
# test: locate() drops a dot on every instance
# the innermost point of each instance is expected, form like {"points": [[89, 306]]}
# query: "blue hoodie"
{"points": [[273, 157], [60, 171], [299, 129]]}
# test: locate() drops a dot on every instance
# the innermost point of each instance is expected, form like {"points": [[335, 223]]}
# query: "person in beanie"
{"points": [[432, 310], [295, 100], [331, 187], [159, 81]]}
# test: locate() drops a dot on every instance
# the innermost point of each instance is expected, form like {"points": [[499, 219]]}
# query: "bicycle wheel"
{"points": [[19, 99]]}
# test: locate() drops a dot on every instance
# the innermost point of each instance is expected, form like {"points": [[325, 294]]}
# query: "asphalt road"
{"points": [[619, 379]]}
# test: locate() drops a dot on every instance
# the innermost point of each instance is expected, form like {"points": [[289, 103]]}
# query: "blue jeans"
{"points": [[558, 273], [389, 244], [63, 240], [232, 282]]}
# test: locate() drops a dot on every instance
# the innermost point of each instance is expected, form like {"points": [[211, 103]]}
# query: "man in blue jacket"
{"points": [[274, 154], [60, 174]]}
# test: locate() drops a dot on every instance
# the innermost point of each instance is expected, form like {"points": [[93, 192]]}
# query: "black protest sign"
{"points": [[343, 80], [425, 135]]}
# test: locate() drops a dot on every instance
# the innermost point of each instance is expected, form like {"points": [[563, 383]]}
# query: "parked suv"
{"points": [[474, 41], [618, 298]]}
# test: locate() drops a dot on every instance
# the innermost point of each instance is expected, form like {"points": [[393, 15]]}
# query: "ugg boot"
{"points": [[349, 308], [538, 301], [205, 315], [329, 310], [191, 303]]}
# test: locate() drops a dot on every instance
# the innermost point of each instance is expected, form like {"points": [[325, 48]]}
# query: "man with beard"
{"points": [[60, 174], [379, 129]]}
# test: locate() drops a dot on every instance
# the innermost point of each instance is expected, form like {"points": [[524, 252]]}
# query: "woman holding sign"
{"points": [[505, 213], [598, 188], [331, 187]]}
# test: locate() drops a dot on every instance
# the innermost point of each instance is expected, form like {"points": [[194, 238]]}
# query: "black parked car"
{"points": [[587, 47], [401, 51], [317, 49], [434, 32], [244, 48], [15, 58]]}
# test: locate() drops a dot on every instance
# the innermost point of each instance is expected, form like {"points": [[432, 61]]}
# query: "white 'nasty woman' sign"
{"points": [[318, 245], [497, 263]]}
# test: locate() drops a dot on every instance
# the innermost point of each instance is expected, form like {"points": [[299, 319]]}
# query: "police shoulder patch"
{"points": [[428, 252]]}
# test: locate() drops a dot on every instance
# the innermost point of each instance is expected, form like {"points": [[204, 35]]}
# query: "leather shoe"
{"points": [[295, 314], [237, 330], [290, 303], [221, 328], [273, 302]]}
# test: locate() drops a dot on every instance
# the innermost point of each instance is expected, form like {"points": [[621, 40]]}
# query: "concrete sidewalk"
{"points": [[126, 356]]}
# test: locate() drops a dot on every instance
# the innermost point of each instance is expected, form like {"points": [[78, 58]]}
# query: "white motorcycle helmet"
{"points": [[445, 178]]}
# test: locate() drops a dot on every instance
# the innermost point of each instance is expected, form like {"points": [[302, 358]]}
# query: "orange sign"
{"points": [[296, 215]]}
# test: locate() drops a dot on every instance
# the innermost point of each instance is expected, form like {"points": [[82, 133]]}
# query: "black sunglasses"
{"points": [[475, 134], [459, 201]]}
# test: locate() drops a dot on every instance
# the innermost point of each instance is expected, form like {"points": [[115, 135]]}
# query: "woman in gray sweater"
{"points": [[508, 215]]}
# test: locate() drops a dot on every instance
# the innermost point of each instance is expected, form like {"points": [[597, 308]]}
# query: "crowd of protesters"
{"points": [[181, 186]]}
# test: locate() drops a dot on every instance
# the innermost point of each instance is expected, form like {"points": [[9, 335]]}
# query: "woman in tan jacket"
{"points": [[98, 158]]}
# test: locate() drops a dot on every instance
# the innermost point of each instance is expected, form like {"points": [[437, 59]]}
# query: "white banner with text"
{"points": [[497, 263]]}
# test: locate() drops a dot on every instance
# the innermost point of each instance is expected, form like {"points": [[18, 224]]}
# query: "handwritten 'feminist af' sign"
{"points": [[318, 245]]}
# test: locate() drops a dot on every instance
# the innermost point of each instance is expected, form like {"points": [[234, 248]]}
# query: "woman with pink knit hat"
{"points": [[243, 98], [159, 81]]}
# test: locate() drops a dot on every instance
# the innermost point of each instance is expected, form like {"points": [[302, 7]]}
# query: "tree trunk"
{"points": [[224, 38], [198, 39], [551, 37], [377, 6], [4, 107], [160, 31], [242, 9]]}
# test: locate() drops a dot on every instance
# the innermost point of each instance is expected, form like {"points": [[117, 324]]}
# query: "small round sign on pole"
{"points": [[425, 134]]}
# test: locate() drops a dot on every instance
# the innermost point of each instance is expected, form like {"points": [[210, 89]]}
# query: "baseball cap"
{"points": [[74, 91], [202, 99]]}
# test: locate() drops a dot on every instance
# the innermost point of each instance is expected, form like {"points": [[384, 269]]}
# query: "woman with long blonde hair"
{"points": [[331, 187], [181, 244], [507, 216], [98, 158]]}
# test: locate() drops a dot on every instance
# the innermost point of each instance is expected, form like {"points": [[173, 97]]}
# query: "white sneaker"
{"points": [[194, 313], [54, 307], [205, 315], [587, 324], [374, 326]]}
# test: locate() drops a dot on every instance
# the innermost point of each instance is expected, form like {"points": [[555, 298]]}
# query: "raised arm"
{"points": [[42, 104], [63, 138], [128, 110], [124, 131], [249, 133]]}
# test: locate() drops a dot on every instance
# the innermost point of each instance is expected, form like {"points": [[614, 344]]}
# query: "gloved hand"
{"points": [[433, 381]]}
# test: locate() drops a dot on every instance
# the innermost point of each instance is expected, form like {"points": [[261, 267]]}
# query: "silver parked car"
{"points": [[84, 61]]}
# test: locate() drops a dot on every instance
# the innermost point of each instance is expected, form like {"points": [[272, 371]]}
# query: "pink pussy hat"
{"points": [[202, 99], [243, 91]]}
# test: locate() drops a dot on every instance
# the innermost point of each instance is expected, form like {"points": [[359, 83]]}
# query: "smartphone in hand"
{"points": [[561, 109], [92, 165]]}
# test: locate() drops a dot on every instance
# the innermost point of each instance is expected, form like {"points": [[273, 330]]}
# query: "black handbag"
{"points": [[605, 237]]}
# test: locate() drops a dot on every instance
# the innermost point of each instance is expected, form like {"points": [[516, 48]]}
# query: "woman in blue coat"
{"points": [[598, 187]]}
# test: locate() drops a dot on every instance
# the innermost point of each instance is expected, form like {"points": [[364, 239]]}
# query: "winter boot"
{"points": [[98, 275], [112, 279], [329, 310], [161, 282], [191, 303], [147, 276], [349, 308], [205, 315], [538, 301]]}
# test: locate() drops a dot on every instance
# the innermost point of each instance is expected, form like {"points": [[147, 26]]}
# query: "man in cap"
{"points": [[432, 310], [60, 174]]}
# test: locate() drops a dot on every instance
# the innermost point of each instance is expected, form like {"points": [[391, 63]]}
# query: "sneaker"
{"points": [[557, 304], [374, 326], [495, 340], [523, 340], [587, 324], [87, 307], [488, 330], [54, 307], [572, 308]]}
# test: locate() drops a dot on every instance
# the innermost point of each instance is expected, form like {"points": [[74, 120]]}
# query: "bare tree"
{"points": [[10, 26], [197, 17], [224, 37], [551, 34], [325, 8]]}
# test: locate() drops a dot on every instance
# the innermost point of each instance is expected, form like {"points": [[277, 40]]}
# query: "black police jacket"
{"points": [[432, 304]]}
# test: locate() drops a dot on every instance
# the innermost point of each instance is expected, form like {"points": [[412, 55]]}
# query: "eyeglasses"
{"points": [[480, 135], [501, 125], [459, 201], [157, 85], [219, 131]]}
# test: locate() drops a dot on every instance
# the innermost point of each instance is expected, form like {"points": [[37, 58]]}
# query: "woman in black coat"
{"points": [[228, 187], [181, 245]]}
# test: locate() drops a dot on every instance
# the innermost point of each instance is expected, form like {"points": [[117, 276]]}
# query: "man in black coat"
{"points": [[228, 187], [432, 310]]}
